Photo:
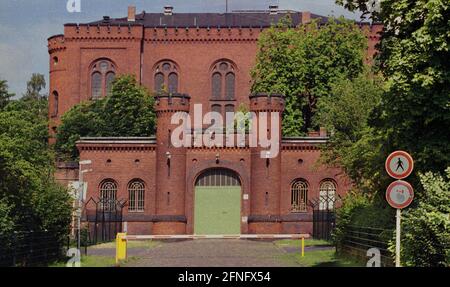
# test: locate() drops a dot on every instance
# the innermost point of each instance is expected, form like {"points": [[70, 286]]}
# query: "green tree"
{"points": [[426, 228], [346, 117], [5, 96], [128, 111], [30, 199], [303, 62], [415, 110], [34, 87]]}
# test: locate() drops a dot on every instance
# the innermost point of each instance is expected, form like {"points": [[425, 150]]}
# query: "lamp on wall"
{"points": [[217, 158]]}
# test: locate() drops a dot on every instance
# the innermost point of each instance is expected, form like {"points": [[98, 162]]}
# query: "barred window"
{"points": [[299, 196], [136, 194], [103, 73], [327, 195], [218, 177], [166, 76], [108, 194]]}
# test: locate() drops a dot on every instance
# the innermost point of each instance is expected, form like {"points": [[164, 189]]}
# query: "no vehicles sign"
{"points": [[399, 164], [399, 194]]}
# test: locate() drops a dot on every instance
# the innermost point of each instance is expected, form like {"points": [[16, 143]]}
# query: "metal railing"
{"points": [[359, 239], [30, 248]]}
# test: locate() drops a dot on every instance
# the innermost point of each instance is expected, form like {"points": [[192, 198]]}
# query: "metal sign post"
{"points": [[397, 238], [399, 193]]}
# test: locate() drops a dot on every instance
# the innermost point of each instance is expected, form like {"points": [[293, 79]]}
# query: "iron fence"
{"points": [[102, 219], [358, 239], [31, 248]]}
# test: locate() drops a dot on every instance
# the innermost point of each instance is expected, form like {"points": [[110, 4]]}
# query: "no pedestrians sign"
{"points": [[399, 164]]}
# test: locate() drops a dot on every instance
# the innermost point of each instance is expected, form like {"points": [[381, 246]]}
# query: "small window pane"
{"points": [[216, 86], [109, 80], [230, 83], [159, 82], [103, 66], [216, 108], [173, 83], [96, 85], [223, 66]]}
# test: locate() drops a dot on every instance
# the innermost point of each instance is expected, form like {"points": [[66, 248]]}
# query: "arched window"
{"points": [[229, 85], [327, 193], [136, 194], [216, 108], [216, 86], [223, 81], [55, 103], [173, 83], [96, 86], [108, 194], [103, 73], [109, 80], [166, 77], [299, 195]]}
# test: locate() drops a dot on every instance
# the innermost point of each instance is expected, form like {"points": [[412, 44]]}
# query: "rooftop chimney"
{"points": [[168, 10], [273, 9], [306, 17], [131, 13]]}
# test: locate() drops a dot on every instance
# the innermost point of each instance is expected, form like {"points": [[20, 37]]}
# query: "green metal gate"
{"points": [[217, 203]]}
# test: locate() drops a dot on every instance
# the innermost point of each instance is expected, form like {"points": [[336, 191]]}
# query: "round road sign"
{"points": [[399, 194], [399, 164]]}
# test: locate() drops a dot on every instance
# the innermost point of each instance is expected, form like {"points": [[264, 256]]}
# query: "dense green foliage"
{"points": [[30, 199], [426, 228], [413, 114], [127, 112], [345, 115], [302, 63]]}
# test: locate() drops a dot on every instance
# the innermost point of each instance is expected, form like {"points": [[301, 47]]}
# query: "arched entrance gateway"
{"points": [[217, 205]]}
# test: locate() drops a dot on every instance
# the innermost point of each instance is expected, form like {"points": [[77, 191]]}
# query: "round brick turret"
{"points": [[266, 165], [170, 167]]}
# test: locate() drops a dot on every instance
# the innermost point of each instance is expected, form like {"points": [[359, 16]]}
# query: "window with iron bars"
{"points": [[136, 193], [299, 196], [108, 195], [327, 193]]}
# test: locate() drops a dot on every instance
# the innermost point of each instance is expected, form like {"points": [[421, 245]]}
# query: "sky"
{"points": [[25, 25]]}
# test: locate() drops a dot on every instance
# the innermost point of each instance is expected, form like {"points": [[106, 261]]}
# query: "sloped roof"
{"points": [[224, 20]]}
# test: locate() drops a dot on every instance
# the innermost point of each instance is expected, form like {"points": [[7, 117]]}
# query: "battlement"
{"points": [[172, 102], [56, 43], [264, 102]]}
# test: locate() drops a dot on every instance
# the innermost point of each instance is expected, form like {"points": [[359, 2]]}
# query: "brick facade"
{"points": [[138, 47]]}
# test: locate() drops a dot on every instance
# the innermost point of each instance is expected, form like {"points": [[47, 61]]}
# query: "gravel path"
{"points": [[214, 253]]}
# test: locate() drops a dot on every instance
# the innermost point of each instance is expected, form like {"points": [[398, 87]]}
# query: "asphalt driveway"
{"points": [[215, 253]]}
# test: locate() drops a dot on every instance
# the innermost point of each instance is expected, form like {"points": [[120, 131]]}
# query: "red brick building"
{"points": [[172, 190]]}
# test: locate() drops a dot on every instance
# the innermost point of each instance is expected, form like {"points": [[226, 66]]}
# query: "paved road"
{"points": [[215, 253]]}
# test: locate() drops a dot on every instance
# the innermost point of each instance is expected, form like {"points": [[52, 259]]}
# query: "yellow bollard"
{"points": [[121, 247], [303, 247]]}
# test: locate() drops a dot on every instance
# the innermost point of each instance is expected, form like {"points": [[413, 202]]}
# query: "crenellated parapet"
{"points": [[171, 103], [264, 102], [56, 43], [103, 32]]}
